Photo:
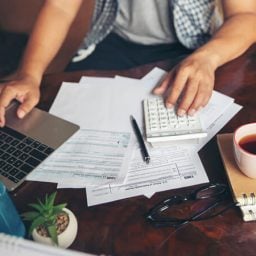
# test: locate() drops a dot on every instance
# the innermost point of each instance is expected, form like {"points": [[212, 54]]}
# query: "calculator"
{"points": [[164, 125]]}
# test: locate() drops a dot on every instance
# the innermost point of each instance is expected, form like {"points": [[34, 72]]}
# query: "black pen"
{"points": [[142, 145]]}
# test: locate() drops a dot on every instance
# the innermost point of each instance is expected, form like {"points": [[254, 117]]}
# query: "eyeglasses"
{"points": [[203, 203]]}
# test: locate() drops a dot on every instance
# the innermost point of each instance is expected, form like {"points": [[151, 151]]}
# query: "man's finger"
{"points": [[26, 106], [161, 89], [6, 96], [177, 87], [202, 97], [2, 118], [188, 97]]}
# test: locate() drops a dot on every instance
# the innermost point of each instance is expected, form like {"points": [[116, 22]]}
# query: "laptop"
{"points": [[26, 143]]}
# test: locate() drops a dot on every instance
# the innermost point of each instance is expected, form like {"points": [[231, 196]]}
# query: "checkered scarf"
{"points": [[192, 19]]}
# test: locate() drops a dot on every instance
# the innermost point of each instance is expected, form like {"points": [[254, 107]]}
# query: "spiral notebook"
{"points": [[243, 188], [13, 246]]}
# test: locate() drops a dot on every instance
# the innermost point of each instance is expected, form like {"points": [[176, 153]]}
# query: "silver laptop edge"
{"points": [[41, 126]]}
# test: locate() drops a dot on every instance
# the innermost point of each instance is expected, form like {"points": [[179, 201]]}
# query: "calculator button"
{"points": [[164, 124]]}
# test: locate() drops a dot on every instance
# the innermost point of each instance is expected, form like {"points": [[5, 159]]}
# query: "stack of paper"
{"points": [[104, 155]]}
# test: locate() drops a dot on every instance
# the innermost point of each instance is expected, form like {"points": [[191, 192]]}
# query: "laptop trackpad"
{"points": [[40, 125]]}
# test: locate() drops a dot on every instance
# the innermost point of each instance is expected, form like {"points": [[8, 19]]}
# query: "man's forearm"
{"points": [[231, 40], [48, 35]]}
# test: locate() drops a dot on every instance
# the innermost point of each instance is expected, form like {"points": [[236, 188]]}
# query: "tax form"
{"points": [[99, 107], [169, 168], [89, 157], [97, 154]]}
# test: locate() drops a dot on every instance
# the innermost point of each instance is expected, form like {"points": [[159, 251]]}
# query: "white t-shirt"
{"points": [[145, 22]]}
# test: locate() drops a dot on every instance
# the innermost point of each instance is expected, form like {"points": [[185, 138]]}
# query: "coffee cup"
{"points": [[244, 144]]}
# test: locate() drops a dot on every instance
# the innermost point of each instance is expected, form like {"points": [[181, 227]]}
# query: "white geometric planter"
{"points": [[66, 238]]}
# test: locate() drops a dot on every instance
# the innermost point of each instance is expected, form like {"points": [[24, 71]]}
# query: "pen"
{"points": [[138, 134]]}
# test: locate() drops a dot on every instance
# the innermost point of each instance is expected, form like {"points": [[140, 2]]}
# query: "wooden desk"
{"points": [[119, 228]]}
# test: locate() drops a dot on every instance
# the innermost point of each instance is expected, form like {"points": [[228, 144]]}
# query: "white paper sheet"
{"points": [[89, 157], [170, 168], [218, 124], [106, 106], [13, 246], [155, 76]]}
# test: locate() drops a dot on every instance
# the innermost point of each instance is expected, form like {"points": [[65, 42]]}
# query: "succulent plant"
{"points": [[45, 215]]}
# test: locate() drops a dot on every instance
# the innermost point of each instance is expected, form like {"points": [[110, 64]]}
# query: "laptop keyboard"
{"points": [[19, 154]]}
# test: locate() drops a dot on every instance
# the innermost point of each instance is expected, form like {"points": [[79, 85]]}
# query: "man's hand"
{"points": [[49, 32], [190, 83], [25, 89]]}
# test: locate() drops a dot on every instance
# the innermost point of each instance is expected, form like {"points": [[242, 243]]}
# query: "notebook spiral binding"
{"points": [[252, 215], [248, 200], [248, 206]]}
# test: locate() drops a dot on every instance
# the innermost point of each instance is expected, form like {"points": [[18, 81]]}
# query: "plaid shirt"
{"points": [[192, 19]]}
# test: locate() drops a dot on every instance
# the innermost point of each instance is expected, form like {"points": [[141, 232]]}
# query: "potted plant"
{"points": [[51, 224]]}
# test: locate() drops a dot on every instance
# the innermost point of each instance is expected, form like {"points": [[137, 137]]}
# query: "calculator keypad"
{"points": [[164, 124]]}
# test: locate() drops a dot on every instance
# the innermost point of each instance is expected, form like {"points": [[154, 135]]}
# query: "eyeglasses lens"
{"points": [[211, 191], [188, 209], [209, 202]]}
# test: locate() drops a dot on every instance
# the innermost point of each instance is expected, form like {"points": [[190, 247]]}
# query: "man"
{"points": [[193, 78]]}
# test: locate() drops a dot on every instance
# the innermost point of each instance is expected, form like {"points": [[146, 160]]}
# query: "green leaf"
{"points": [[52, 218], [53, 233], [37, 207], [42, 205], [46, 199], [59, 206], [28, 216], [52, 199], [37, 222]]}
